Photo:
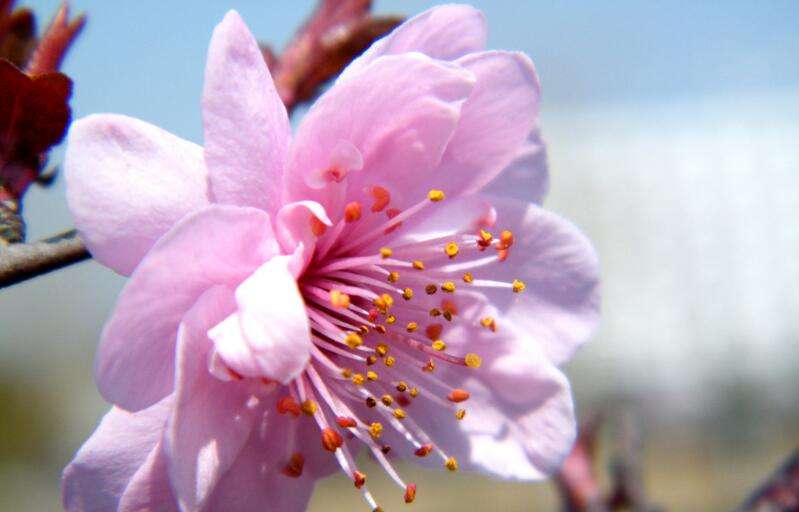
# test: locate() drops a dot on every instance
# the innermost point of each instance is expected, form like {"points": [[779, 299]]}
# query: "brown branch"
{"points": [[779, 493], [19, 262]]}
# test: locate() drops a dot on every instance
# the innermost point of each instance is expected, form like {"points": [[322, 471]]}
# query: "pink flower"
{"points": [[292, 301]]}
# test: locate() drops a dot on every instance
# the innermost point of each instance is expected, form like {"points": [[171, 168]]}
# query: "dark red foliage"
{"points": [[34, 114]]}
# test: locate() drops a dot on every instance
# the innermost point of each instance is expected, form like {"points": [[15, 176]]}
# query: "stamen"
{"points": [[339, 299], [393, 277], [468, 277], [376, 430], [352, 212], [358, 479], [518, 286], [411, 326], [448, 287], [430, 289], [439, 345], [385, 252], [435, 195], [318, 227], [418, 264], [451, 249], [331, 440], [346, 422], [473, 360], [381, 198], [410, 493], [407, 294], [287, 405], [458, 396], [353, 340], [424, 450], [451, 464], [460, 414], [309, 407], [294, 466], [489, 323]]}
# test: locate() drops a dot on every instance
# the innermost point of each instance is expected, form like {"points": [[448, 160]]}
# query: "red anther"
{"points": [[294, 466], [458, 396], [358, 479], [373, 314], [391, 213], [502, 253], [402, 400], [346, 422], [287, 405], [331, 439], [352, 212], [424, 450], [449, 307], [410, 493], [318, 227], [433, 331], [381, 198]]}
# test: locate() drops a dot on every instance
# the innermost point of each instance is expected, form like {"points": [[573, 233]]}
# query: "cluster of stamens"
{"points": [[379, 319]]}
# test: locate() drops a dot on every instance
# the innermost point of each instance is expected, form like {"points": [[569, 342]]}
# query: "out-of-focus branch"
{"points": [[55, 42], [19, 262], [578, 481], [336, 33], [779, 493]]}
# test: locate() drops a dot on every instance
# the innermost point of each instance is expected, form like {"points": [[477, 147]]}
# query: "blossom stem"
{"points": [[20, 262]]}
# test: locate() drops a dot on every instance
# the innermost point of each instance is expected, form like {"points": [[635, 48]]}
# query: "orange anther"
{"points": [[352, 211], [381, 198], [458, 395]]}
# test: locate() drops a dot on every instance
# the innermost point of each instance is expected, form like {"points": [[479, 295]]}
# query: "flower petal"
{"points": [[256, 482], [210, 421], [103, 467], [526, 177], [247, 131], [217, 245], [149, 488], [399, 113], [128, 182], [560, 305], [296, 224], [444, 32], [271, 336], [499, 115]]}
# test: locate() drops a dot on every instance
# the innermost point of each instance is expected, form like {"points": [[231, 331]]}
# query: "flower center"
{"points": [[380, 315]]}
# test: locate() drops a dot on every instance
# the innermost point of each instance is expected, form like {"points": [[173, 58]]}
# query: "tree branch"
{"points": [[19, 262]]}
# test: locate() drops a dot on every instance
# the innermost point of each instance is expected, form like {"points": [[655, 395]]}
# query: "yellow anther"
{"points": [[358, 379], [430, 289], [473, 360], [385, 252], [506, 239], [489, 323], [486, 236], [402, 386], [407, 294], [381, 349], [389, 361], [346, 373], [429, 366], [411, 327], [418, 264], [439, 345], [414, 392], [399, 414], [435, 195], [448, 287], [435, 312], [518, 286], [353, 340], [387, 299], [393, 277], [387, 400], [375, 430], [451, 464], [460, 413], [391, 319], [372, 359], [309, 407], [451, 249], [468, 278], [339, 299], [371, 375]]}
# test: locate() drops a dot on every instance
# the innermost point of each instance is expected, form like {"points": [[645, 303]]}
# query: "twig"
{"points": [[779, 493], [19, 262]]}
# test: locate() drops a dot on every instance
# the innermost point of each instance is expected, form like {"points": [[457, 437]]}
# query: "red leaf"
{"points": [[34, 114]]}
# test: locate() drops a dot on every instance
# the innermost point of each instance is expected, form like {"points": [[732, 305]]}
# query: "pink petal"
{"points": [[271, 336], [294, 226], [128, 182], [247, 130], [217, 245], [495, 122], [445, 32], [399, 113], [103, 467], [210, 421], [256, 483], [149, 488], [527, 176], [560, 306]]}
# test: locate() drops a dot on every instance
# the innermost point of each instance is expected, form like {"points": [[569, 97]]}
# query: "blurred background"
{"points": [[673, 131]]}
